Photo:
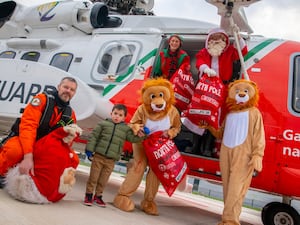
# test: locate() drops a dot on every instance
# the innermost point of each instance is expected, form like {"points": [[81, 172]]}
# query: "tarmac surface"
{"points": [[180, 209]]}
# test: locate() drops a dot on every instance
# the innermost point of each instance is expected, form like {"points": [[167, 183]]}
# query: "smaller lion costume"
{"points": [[54, 169], [158, 113], [242, 149]]}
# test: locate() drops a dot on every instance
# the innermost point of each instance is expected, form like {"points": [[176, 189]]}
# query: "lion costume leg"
{"points": [[132, 180], [152, 183], [236, 178]]}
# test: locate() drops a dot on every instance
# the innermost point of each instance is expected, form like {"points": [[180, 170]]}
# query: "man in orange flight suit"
{"points": [[18, 149]]}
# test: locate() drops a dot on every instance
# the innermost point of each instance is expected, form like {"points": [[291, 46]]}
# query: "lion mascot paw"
{"points": [[124, 202], [158, 113], [149, 207]]}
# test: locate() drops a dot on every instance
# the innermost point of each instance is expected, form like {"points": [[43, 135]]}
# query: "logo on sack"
{"points": [[164, 149], [208, 88]]}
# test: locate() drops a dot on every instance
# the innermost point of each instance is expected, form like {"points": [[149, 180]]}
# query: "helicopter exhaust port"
{"points": [[6, 10]]}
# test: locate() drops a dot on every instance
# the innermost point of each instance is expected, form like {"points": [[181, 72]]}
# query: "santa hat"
{"points": [[216, 31]]}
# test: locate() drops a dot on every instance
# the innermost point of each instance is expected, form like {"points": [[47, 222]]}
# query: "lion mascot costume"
{"points": [[53, 176], [158, 113], [242, 148]]}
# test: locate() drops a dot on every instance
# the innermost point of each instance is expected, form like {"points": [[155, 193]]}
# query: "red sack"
{"points": [[183, 85], [165, 160], [207, 101]]}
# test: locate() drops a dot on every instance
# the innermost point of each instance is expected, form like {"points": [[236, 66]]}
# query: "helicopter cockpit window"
{"points": [[296, 85], [7, 55], [62, 60], [115, 60], [31, 56]]}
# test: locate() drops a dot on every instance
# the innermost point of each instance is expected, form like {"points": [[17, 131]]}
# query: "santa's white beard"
{"points": [[23, 188], [216, 49]]}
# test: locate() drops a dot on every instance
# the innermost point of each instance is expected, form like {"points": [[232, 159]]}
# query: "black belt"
{"points": [[226, 82]]}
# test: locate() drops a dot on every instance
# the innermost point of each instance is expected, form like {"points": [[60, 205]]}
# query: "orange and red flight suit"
{"points": [[13, 151]]}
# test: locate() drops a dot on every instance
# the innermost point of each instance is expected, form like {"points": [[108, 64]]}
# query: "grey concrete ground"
{"points": [[180, 209]]}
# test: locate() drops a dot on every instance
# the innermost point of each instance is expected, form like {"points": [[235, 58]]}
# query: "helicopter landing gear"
{"points": [[277, 213]]}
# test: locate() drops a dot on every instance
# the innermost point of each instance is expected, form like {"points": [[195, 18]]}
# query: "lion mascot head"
{"points": [[242, 94], [157, 97]]}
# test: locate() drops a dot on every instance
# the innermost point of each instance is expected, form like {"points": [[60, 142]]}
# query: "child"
{"points": [[104, 147]]}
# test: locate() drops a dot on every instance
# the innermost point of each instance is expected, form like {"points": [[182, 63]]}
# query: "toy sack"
{"points": [[165, 160], [183, 85], [206, 102]]}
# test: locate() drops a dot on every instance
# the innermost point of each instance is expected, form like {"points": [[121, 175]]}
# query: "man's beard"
{"points": [[216, 49]]}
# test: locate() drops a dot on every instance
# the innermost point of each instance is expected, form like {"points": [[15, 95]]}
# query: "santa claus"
{"points": [[217, 58], [53, 176]]}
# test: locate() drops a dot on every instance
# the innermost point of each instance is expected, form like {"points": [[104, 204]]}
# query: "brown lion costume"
{"points": [[242, 149], [158, 113]]}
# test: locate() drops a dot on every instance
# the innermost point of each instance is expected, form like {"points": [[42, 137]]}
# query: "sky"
{"points": [[270, 18]]}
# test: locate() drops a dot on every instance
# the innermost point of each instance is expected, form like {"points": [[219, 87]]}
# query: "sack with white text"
{"points": [[206, 102], [165, 160], [183, 85]]}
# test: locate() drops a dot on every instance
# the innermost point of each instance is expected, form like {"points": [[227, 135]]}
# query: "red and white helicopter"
{"points": [[110, 48]]}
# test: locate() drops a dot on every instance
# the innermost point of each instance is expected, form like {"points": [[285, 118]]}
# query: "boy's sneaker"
{"points": [[99, 202], [88, 200]]}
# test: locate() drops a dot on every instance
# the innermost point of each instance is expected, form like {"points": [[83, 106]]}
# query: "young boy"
{"points": [[104, 147]]}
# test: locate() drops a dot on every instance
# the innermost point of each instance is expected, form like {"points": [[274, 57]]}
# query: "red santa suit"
{"points": [[53, 160], [221, 64]]}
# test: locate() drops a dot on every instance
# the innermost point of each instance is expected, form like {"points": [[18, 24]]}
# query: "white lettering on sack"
{"points": [[164, 149]]}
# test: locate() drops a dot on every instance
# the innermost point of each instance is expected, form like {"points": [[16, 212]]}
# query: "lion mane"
{"points": [[241, 86], [157, 85]]}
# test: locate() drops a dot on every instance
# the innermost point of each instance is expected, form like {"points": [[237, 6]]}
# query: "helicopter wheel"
{"points": [[276, 213]]}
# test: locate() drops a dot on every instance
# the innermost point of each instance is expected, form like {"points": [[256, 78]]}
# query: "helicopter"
{"points": [[110, 48]]}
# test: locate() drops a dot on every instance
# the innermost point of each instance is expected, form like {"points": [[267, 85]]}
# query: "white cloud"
{"points": [[266, 17]]}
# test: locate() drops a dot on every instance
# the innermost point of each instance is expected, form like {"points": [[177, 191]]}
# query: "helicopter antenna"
{"points": [[229, 7]]}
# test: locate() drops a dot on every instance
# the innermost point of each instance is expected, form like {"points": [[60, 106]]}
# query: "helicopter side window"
{"points": [[105, 62], [296, 85], [62, 60], [115, 59], [124, 63], [31, 56], [7, 55]]}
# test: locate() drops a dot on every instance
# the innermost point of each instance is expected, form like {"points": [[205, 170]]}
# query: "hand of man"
{"points": [[26, 164]]}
